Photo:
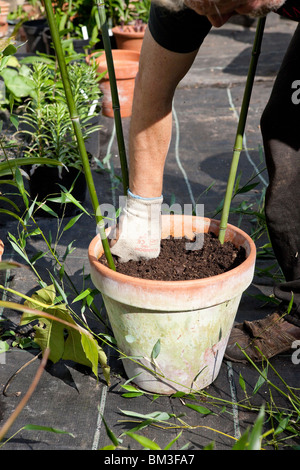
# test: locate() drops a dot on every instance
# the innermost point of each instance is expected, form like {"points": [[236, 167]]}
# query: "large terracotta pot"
{"points": [[128, 38], [126, 64], [192, 319]]}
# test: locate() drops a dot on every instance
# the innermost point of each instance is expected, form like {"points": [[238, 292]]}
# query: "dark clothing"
{"points": [[290, 10], [184, 32], [281, 137]]}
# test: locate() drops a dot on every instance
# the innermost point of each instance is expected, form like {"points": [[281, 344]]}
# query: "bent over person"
{"points": [[166, 57]]}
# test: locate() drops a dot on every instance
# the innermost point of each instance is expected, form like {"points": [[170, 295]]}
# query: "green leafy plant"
{"points": [[127, 11], [45, 119], [77, 19]]}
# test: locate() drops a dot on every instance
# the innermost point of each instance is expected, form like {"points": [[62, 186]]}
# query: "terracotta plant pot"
{"points": [[191, 319], [4, 10], [128, 38], [1, 249], [3, 29], [126, 64]]}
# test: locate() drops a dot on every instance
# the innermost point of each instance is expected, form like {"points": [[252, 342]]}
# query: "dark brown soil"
{"points": [[176, 263]]}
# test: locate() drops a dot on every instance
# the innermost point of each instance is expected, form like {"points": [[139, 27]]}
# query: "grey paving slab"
{"points": [[68, 397]]}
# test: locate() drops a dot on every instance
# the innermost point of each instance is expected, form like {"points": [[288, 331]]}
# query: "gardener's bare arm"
{"points": [[150, 133], [151, 123]]}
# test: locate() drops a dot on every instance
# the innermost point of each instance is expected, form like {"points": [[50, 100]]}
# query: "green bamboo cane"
{"points": [[238, 146], [114, 94], [77, 130]]}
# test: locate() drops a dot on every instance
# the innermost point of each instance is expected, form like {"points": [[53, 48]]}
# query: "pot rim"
{"points": [[125, 70], [184, 284], [134, 34]]}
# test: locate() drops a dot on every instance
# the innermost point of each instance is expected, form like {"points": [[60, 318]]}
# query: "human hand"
{"points": [[139, 230], [219, 11]]}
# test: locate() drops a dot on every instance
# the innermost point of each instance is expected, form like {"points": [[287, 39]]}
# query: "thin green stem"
{"points": [[114, 94], [238, 146], [77, 130]]}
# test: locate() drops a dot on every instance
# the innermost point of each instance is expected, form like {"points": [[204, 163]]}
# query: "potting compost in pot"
{"points": [[187, 323], [178, 263]]}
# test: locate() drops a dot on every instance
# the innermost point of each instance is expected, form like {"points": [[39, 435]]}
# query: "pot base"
{"points": [[192, 344]]}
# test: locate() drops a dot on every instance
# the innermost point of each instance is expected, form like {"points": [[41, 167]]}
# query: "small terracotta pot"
{"points": [[127, 38], [126, 64], [1, 249], [192, 319], [3, 30], [4, 10]]}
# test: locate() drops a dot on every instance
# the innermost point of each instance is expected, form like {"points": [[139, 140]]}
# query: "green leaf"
{"points": [[83, 294], [255, 435], [242, 383], [12, 214], [68, 197], [72, 222], [242, 443], [14, 120], [130, 388], [251, 439], [110, 434], [9, 50], [47, 209], [156, 350], [144, 441], [37, 256], [20, 184], [78, 345], [19, 251], [261, 380], [34, 427], [168, 446], [3, 346], [200, 409], [5, 167], [132, 394], [155, 415], [19, 85], [283, 424], [12, 203]]}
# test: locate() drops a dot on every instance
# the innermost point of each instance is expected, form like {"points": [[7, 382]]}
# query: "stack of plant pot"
{"points": [[126, 64], [4, 10]]}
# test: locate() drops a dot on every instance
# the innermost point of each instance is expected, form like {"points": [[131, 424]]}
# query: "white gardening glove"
{"points": [[139, 230]]}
